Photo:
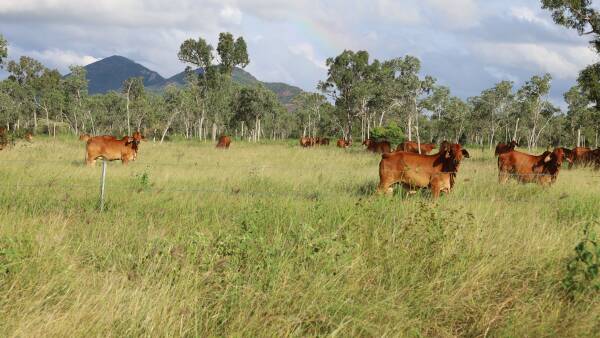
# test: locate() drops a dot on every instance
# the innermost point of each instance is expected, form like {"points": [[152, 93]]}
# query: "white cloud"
{"points": [[456, 13], [564, 62], [526, 14], [54, 58], [231, 15], [307, 51]]}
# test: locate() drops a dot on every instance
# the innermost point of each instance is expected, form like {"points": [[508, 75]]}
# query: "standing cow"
{"points": [[525, 168], [436, 172], [111, 149], [224, 142]]}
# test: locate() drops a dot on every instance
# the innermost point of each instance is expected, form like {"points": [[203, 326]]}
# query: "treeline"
{"points": [[360, 98]]}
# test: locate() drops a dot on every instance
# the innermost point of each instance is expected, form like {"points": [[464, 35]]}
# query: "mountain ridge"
{"points": [[109, 73]]}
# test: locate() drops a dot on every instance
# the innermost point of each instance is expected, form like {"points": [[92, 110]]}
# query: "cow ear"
{"points": [[466, 153]]}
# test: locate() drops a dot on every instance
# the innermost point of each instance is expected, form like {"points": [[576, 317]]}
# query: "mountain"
{"points": [[109, 73]]}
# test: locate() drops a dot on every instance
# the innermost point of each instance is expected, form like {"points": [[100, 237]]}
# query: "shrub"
{"points": [[390, 132], [583, 270]]}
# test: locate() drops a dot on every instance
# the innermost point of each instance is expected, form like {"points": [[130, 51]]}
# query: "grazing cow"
{"points": [[324, 141], [341, 143], [381, 147], [580, 156], [413, 147], [436, 172], [502, 148], [112, 149], [542, 169], [224, 142]]}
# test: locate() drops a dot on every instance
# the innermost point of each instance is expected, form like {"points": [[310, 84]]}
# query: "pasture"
{"points": [[276, 240]]}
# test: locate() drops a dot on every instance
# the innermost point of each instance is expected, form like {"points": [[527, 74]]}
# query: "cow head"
{"points": [[551, 161], [513, 144], [367, 142]]}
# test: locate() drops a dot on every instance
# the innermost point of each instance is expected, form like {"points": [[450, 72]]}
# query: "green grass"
{"points": [[276, 240]]}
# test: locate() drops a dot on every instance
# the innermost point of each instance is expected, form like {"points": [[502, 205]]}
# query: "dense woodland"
{"points": [[360, 98]]}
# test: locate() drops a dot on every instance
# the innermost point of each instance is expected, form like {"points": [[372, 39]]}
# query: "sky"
{"points": [[468, 45]]}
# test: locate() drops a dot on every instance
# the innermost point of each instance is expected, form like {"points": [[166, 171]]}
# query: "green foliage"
{"points": [[583, 270], [576, 14], [3, 50], [390, 132]]}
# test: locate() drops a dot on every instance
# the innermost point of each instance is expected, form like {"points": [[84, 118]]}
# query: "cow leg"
{"points": [[385, 187], [502, 177]]}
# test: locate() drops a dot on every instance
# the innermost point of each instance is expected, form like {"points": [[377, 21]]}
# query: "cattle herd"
{"points": [[409, 165]]}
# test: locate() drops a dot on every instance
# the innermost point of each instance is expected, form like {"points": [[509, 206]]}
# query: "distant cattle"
{"points": [[324, 141], [381, 147], [224, 142], [502, 148], [112, 149], [341, 143], [3, 138], [580, 156], [413, 147], [542, 169], [436, 172], [306, 142]]}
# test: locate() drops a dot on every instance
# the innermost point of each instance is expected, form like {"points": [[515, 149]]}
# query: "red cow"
{"points": [[436, 172], [224, 142], [377, 146], [502, 148], [542, 169]]}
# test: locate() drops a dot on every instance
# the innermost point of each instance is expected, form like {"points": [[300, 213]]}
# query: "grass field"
{"points": [[275, 240]]}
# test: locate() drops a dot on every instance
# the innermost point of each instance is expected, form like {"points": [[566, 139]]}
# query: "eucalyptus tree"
{"points": [[349, 84], [410, 90], [308, 112], [49, 96], [535, 109], [3, 50], [493, 106], [76, 92], [437, 105], [576, 14], [25, 73], [133, 89], [232, 53]]}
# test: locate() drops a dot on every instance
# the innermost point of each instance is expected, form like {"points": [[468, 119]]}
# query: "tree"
{"points": [[308, 112], [576, 14], [349, 83], [536, 111], [232, 53], [25, 73], [3, 50], [76, 90], [48, 95], [133, 89]]}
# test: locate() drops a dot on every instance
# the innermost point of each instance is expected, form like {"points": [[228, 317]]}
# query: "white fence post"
{"points": [[102, 180]]}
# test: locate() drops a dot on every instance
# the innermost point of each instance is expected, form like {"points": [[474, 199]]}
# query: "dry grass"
{"points": [[275, 240]]}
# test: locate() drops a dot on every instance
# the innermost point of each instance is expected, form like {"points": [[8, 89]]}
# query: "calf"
{"points": [[542, 169], [436, 172], [381, 147]]}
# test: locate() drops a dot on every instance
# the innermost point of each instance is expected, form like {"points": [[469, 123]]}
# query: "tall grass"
{"points": [[276, 240]]}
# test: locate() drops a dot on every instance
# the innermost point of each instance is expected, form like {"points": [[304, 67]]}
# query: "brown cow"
{"points": [[112, 149], [413, 147], [306, 142], [436, 172], [581, 156], [381, 147], [542, 169], [341, 143], [224, 142], [324, 141], [502, 148]]}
